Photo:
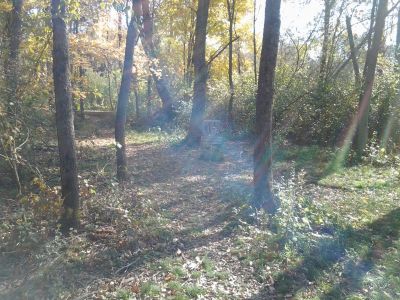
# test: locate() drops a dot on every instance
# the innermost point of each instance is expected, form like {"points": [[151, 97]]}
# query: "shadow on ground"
{"points": [[379, 236]]}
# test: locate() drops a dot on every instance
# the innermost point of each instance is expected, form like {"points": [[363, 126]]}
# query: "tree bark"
{"points": [[14, 31], [361, 137], [123, 100], [371, 23], [64, 119], [254, 42], [136, 92], [231, 19], [189, 57], [149, 80], [239, 59], [148, 46], [263, 195], [200, 75], [393, 118], [11, 72], [81, 100], [325, 42], [353, 52]]}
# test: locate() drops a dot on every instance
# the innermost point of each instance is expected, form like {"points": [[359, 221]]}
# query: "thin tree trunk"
{"points": [[334, 38], [361, 137], [325, 42], [371, 23], [189, 68], [340, 68], [123, 100], [353, 52], [64, 119], [149, 79], [81, 100], [109, 87], [11, 68], [200, 75], [231, 18], [11, 72], [184, 58], [119, 29], [388, 129], [136, 92], [254, 42], [239, 60], [263, 195]]}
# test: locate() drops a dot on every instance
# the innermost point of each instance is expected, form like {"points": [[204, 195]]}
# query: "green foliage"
{"points": [[150, 289]]}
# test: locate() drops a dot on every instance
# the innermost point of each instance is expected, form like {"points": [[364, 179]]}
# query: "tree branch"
{"points": [[220, 50]]}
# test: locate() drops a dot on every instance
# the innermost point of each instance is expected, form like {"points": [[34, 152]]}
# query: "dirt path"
{"points": [[186, 247], [199, 200]]}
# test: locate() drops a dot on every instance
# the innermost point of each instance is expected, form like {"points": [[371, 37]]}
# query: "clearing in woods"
{"points": [[177, 231]]}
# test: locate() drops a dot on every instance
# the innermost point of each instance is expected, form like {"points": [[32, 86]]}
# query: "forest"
{"points": [[199, 149]]}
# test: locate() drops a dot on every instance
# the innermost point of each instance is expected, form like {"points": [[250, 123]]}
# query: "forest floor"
{"points": [[179, 229]]}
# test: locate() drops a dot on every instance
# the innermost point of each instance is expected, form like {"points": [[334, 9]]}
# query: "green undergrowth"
{"points": [[114, 232], [154, 136], [337, 239]]}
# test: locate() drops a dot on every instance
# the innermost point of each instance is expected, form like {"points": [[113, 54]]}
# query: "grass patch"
{"points": [[154, 136], [150, 289], [194, 291]]}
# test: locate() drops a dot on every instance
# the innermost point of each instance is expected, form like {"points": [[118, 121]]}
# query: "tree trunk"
{"points": [[81, 74], [123, 100], [371, 24], [11, 68], [136, 92], [11, 72], [110, 100], [81, 100], [148, 46], [200, 75], [119, 29], [325, 42], [189, 57], [353, 52], [149, 79], [393, 118], [64, 119], [361, 137], [239, 59], [263, 196], [254, 42], [231, 19]]}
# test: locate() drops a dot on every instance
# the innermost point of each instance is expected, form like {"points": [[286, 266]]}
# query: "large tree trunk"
{"points": [[361, 137], [148, 46], [64, 119], [123, 99], [263, 196], [14, 27], [200, 75], [231, 20]]}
